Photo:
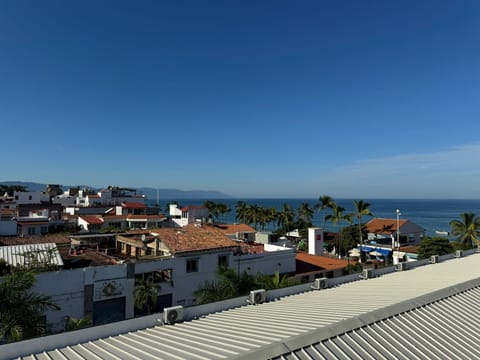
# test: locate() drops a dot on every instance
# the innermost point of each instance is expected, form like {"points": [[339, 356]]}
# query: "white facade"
{"points": [[81, 292], [315, 241], [30, 197], [188, 214]]}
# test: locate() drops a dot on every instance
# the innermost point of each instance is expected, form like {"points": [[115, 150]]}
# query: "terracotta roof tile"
{"points": [[383, 226], [49, 238], [193, 238], [133, 205], [92, 219], [234, 228], [192, 207], [308, 263]]}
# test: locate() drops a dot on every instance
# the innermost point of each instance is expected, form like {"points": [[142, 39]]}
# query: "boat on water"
{"points": [[442, 233]]}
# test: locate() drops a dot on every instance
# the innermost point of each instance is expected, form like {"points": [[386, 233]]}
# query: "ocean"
{"points": [[432, 215]]}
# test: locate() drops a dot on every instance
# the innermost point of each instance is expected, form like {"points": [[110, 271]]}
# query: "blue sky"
{"points": [[362, 99]]}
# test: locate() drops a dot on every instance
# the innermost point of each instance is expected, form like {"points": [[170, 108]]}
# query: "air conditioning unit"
{"points": [[434, 259], [257, 296], [367, 274], [401, 266], [320, 283], [458, 253], [173, 314]]}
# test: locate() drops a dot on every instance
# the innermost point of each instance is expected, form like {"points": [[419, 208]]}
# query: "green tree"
{"points": [[145, 295], [325, 202], [77, 324], [336, 218], [10, 189], [228, 284], [285, 218], [241, 209], [305, 212], [434, 246], [466, 230], [361, 209], [22, 310], [276, 281]]}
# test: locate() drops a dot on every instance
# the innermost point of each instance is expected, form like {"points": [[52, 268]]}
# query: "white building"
{"points": [[178, 260], [188, 214]]}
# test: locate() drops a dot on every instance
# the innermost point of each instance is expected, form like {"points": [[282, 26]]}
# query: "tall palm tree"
{"points": [[325, 202], [21, 310], [286, 217], [305, 212], [467, 229], [145, 295], [224, 210], [241, 209], [336, 217], [361, 209]]}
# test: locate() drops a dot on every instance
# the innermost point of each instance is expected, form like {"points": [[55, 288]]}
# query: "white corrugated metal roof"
{"points": [[376, 315], [31, 254]]}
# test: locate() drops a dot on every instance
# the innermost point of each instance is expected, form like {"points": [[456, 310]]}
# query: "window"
{"points": [[222, 261], [155, 276], [29, 197], [31, 231], [192, 265]]}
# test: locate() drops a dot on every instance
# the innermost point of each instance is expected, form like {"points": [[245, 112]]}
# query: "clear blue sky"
{"points": [[362, 99]]}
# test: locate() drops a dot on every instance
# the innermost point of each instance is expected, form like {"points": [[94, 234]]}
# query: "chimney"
{"points": [[315, 241]]}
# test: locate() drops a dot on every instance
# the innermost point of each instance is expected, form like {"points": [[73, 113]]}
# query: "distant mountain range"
{"points": [[150, 193]]}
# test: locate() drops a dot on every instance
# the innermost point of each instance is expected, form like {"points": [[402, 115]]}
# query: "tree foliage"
{"points": [[10, 189], [434, 246], [22, 310], [229, 284], [145, 295], [467, 230]]}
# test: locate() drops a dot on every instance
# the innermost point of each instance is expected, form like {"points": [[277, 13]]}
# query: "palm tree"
{"points": [[229, 284], [224, 210], [77, 324], [276, 281], [326, 202], [21, 310], [336, 217], [241, 209], [145, 295], [285, 218], [305, 212], [361, 209], [467, 229]]}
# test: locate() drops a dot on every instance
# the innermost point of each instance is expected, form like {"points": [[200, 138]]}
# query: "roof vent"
{"points": [[320, 283]]}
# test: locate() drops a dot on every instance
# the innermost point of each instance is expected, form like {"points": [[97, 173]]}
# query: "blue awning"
{"points": [[384, 252]]}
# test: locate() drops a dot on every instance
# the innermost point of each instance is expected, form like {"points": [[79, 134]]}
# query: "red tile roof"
{"points": [[193, 238], [309, 263], [49, 238], [92, 219], [133, 205], [383, 226], [234, 228], [192, 207]]}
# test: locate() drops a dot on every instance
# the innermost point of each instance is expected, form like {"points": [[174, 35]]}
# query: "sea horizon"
{"points": [[431, 214]]}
